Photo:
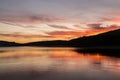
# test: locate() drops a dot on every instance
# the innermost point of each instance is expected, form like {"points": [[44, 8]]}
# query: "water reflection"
{"points": [[34, 63]]}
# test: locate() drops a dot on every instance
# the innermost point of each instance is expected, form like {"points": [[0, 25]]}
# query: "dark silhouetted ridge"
{"points": [[111, 38], [57, 43], [8, 44]]}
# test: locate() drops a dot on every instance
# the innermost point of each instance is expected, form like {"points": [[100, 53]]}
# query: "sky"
{"points": [[42, 20]]}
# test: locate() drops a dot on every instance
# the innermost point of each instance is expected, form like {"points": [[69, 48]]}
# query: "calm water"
{"points": [[39, 63]]}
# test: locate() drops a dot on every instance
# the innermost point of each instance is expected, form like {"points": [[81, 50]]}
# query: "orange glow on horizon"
{"points": [[59, 36]]}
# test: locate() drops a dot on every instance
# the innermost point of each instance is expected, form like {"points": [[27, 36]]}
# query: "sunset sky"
{"points": [[40, 20]]}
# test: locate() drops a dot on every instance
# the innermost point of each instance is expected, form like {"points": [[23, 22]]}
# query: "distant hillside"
{"points": [[8, 44], [111, 38], [57, 43]]}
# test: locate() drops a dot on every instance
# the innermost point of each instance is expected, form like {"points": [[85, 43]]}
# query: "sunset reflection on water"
{"points": [[35, 63]]}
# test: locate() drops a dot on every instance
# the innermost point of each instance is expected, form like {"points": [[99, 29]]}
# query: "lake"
{"points": [[45, 63]]}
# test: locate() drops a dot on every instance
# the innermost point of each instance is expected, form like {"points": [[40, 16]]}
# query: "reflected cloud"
{"points": [[55, 63]]}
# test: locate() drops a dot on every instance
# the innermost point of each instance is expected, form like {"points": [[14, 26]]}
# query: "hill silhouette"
{"points": [[55, 43], [111, 38], [108, 39], [8, 44]]}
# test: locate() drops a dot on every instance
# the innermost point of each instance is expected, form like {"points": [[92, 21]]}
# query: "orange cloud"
{"points": [[73, 34]]}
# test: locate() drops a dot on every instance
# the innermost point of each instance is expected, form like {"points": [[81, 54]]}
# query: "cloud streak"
{"points": [[17, 35]]}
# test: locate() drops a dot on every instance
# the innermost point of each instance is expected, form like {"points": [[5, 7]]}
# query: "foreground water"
{"points": [[40, 63]]}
